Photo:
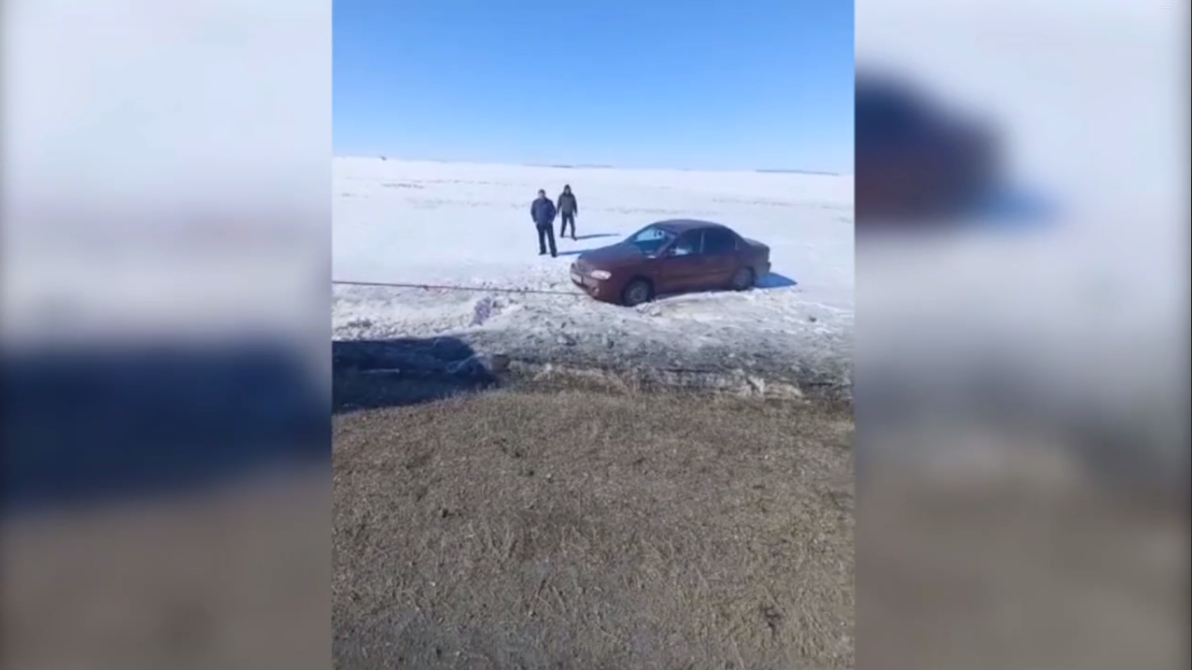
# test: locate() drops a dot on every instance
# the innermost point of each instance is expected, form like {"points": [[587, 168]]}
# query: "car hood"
{"points": [[614, 254]]}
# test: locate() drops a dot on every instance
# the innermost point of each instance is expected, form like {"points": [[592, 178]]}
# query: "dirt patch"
{"points": [[1016, 573], [593, 530], [231, 578]]}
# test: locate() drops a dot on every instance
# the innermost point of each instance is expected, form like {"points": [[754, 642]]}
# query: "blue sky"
{"points": [[711, 84]]}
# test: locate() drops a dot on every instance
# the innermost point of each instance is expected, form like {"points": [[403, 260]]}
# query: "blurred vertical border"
{"points": [[1022, 367], [165, 334]]}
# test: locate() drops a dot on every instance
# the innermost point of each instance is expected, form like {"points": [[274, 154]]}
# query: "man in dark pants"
{"points": [[543, 212], [568, 208]]}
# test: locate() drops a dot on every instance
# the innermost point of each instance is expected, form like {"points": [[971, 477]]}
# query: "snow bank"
{"points": [[468, 226]]}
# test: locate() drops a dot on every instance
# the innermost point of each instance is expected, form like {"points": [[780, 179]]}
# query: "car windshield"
{"points": [[651, 239]]}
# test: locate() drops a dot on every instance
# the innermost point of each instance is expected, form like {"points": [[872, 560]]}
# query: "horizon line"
{"points": [[594, 166]]}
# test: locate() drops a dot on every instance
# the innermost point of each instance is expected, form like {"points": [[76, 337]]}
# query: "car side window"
{"points": [[717, 241], [686, 245], [650, 234]]}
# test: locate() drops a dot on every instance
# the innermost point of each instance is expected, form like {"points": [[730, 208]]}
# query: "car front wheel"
{"points": [[636, 292]]}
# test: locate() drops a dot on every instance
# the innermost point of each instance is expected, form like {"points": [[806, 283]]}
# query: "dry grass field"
{"points": [[590, 530], [577, 529]]}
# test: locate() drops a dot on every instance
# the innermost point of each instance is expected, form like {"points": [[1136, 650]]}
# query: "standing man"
{"points": [[568, 208], [543, 212]]}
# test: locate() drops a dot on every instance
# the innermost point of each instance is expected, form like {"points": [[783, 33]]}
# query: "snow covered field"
{"points": [[468, 226]]}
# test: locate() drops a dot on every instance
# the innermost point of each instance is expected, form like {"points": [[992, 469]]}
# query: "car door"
{"points": [[680, 264], [719, 259]]}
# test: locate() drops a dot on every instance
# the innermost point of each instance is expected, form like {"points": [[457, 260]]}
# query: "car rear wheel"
{"points": [[742, 279], [637, 292]]}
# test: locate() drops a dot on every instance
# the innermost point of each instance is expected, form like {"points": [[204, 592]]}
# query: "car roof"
{"points": [[684, 225]]}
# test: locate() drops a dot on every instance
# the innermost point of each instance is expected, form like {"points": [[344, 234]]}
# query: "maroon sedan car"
{"points": [[915, 162], [671, 257]]}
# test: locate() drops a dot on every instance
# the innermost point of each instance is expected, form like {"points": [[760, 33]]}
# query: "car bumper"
{"points": [[593, 287]]}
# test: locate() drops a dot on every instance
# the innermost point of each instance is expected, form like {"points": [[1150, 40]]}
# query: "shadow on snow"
{"points": [[140, 419], [775, 280], [374, 374]]}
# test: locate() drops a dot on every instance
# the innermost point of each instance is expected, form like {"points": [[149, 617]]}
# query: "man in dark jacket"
{"points": [[543, 212], [568, 208]]}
